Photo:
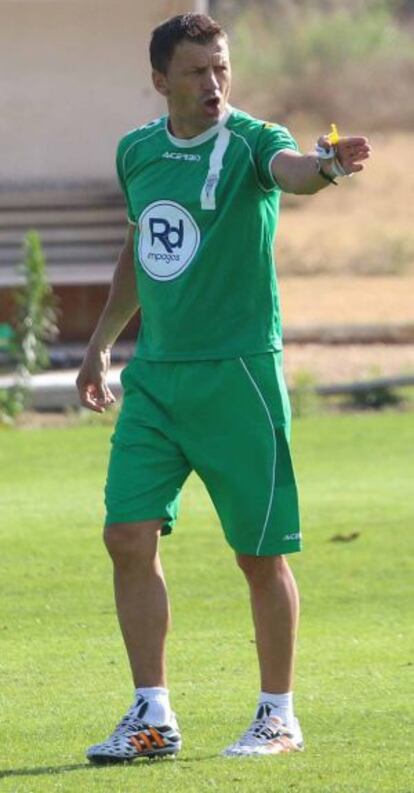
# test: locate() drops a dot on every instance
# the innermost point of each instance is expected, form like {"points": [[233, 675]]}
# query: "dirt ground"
{"points": [[347, 363], [364, 226], [346, 256], [324, 300]]}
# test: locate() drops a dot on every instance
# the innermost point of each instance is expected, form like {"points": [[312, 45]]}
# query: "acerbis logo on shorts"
{"points": [[168, 240], [294, 536]]}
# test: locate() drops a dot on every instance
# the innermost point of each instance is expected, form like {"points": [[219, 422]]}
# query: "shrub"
{"points": [[34, 326], [303, 395], [329, 60]]}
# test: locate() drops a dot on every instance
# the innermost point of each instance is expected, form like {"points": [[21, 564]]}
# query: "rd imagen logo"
{"points": [[168, 240]]}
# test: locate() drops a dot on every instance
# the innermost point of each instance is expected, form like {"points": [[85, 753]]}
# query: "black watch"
{"points": [[325, 175]]}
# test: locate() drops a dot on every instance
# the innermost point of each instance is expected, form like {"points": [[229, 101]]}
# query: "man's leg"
{"points": [[149, 728], [141, 597], [275, 608]]}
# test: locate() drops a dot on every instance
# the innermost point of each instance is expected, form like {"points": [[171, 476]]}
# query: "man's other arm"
{"points": [[300, 173], [121, 305]]}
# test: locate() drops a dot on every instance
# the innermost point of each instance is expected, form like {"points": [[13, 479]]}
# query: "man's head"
{"points": [[191, 68]]}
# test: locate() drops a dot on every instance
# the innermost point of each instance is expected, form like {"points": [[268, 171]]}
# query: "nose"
{"points": [[211, 82]]}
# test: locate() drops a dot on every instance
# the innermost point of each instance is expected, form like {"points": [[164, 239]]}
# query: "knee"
{"points": [[259, 570], [132, 543]]}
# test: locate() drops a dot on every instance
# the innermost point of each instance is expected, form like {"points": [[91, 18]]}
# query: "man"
{"points": [[204, 390]]}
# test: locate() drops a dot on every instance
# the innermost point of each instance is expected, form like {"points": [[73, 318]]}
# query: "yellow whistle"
{"points": [[333, 136]]}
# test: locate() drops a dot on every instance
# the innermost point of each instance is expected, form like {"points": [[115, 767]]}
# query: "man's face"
{"points": [[197, 83]]}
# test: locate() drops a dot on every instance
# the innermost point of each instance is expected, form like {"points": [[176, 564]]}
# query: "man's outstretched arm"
{"points": [[308, 173], [121, 305]]}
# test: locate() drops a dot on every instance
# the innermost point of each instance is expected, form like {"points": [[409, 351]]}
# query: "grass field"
{"points": [[64, 675]]}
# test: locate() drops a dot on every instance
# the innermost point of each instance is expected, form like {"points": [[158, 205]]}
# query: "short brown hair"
{"points": [[198, 28]]}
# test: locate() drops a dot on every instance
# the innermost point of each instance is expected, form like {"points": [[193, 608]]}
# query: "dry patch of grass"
{"points": [[346, 300], [362, 227], [333, 364], [356, 241]]}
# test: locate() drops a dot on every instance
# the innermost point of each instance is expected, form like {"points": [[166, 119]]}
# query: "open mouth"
{"points": [[212, 105]]}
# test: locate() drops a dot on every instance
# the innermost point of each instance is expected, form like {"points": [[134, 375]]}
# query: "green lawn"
{"points": [[64, 676]]}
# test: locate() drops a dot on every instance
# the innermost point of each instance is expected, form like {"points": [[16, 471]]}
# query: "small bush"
{"points": [[303, 396], [374, 398], [34, 326], [36, 316], [12, 401]]}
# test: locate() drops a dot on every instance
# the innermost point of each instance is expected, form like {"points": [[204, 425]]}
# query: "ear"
{"points": [[160, 82]]}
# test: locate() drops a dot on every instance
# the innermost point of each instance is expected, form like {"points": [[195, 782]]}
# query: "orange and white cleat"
{"points": [[134, 737]]}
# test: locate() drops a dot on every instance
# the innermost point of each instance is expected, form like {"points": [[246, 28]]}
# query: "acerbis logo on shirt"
{"points": [[178, 155], [168, 240]]}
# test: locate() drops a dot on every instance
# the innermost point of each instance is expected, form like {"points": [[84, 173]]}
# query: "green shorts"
{"points": [[227, 420]]}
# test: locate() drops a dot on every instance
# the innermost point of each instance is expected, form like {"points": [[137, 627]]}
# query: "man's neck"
{"points": [[182, 128]]}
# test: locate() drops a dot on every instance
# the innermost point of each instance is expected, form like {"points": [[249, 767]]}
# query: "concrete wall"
{"points": [[74, 76]]}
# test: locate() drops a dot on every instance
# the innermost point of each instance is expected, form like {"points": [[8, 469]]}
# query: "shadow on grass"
{"points": [[49, 769], [64, 769]]}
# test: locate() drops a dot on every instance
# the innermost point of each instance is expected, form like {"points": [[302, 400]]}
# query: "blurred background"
{"points": [[346, 256], [75, 76]]}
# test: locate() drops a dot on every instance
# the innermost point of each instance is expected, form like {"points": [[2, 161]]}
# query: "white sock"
{"points": [[282, 705], [159, 709]]}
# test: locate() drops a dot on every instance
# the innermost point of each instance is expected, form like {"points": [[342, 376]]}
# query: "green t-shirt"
{"points": [[206, 211]]}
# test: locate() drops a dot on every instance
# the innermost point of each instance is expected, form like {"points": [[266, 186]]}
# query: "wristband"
{"points": [[336, 169], [325, 175]]}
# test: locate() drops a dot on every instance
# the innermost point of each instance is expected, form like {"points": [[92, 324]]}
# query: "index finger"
{"points": [[354, 140]]}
